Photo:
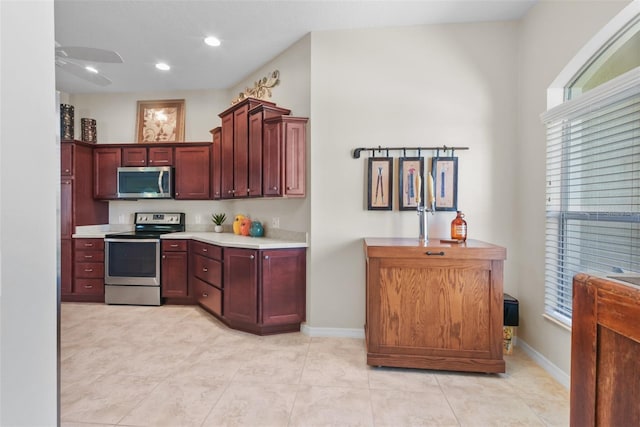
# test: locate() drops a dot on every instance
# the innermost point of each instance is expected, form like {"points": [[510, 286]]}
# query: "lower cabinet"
{"points": [[88, 271], [205, 276], [264, 290], [174, 269]]}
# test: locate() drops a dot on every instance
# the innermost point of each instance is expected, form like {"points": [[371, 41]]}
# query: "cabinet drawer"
{"points": [[89, 256], [90, 270], [209, 270], [210, 251], [89, 286], [89, 244], [208, 296], [174, 245]]}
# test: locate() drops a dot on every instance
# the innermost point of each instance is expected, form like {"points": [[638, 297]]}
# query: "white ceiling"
{"points": [[252, 33]]}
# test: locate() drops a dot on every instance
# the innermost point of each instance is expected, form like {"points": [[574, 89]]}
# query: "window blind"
{"points": [[593, 188]]}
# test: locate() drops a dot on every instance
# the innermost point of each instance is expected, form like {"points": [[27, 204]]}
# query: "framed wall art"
{"points": [[445, 178], [160, 120], [409, 169], [379, 184]]}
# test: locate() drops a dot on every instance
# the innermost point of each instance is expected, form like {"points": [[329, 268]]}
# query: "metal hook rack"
{"points": [[356, 151]]}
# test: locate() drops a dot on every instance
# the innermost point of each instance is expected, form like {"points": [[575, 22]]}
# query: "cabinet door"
{"points": [[174, 274], [66, 266], [240, 285], [66, 208], [216, 163], [226, 170], [192, 172], [271, 158], [160, 156], [66, 159], [294, 159], [255, 155], [241, 152], [283, 295], [134, 156], [106, 162]]}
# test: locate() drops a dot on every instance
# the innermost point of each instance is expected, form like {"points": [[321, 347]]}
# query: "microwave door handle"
{"points": [[160, 182]]}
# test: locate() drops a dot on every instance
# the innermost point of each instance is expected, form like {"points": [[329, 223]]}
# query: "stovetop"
{"points": [[151, 225]]}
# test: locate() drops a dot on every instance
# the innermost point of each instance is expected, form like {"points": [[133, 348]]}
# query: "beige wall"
{"points": [[546, 47]]}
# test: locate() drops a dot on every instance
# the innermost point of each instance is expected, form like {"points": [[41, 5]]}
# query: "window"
{"points": [[593, 177]]}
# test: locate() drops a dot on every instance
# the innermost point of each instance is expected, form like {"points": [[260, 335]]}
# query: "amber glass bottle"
{"points": [[459, 227]]}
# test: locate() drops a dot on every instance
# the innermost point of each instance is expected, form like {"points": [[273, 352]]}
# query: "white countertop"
{"points": [[283, 239]]}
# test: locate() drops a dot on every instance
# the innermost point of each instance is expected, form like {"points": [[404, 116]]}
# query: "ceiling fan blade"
{"points": [[88, 54], [81, 72]]}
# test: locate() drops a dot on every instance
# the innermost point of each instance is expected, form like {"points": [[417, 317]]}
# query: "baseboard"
{"points": [[332, 332], [557, 373]]}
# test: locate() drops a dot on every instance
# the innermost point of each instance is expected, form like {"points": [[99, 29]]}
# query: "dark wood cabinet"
{"points": [[216, 163], [88, 276], [205, 274], [106, 163], [284, 156], [605, 343], [237, 151], [77, 208], [192, 168], [147, 156], [174, 269], [264, 290]]}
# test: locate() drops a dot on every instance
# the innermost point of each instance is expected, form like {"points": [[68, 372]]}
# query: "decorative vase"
{"points": [[218, 228], [256, 229], [245, 225], [236, 223]]}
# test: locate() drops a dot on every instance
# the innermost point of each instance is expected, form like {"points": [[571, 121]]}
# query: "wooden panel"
{"points": [[174, 277], [209, 270], [192, 178], [283, 286], [161, 156], [241, 285], [89, 244], [295, 157], [106, 163], [272, 160], [216, 163], [89, 270], [205, 249], [66, 266], [134, 156], [241, 152], [254, 171], [209, 297], [66, 159], [226, 147], [89, 255], [89, 286], [174, 245], [66, 208]]}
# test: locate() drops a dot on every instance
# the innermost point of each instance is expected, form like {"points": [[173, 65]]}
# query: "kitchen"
{"points": [[332, 213]]}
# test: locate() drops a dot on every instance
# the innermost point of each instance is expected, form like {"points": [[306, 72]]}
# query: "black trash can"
{"points": [[511, 320]]}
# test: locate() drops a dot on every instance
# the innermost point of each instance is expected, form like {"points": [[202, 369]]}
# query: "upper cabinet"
{"points": [[216, 162], [192, 172], [241, 151], [106, 162], [147, 156], [284, 158]]}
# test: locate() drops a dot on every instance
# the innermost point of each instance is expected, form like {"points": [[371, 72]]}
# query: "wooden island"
{"points": [[434, 306]]}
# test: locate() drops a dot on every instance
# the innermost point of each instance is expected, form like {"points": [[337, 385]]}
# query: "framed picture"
{"points": [[409, 170], [379, 184], [445, 179], [161, 120]]}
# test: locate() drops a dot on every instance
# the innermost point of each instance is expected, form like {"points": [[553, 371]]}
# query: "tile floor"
{"points": [[178, 366]]}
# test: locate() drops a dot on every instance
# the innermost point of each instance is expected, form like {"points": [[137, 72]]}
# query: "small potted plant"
{"points": [[218, 219]]}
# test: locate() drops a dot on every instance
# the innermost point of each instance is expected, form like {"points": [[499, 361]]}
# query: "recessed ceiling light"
{"points": [[91, 69], [212, 41], [162, 66]]}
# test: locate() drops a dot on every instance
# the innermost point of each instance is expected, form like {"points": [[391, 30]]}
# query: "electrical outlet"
{"points": [[275, 222]]}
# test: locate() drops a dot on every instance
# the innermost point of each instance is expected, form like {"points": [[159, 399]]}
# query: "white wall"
{"points": [[451, 85], [29, 184], [550, 35]]}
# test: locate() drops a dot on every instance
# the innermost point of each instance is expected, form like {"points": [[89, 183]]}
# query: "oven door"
{"points": [[134, 262]]}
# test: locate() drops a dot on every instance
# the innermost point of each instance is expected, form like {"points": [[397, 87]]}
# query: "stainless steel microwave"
{"points": [[153, 182]]}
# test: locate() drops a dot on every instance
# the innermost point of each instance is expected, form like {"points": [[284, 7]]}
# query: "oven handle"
{"points": [[160, 182], [112, 240]]}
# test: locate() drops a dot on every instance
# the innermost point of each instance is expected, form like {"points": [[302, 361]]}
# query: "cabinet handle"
{"points": [[174, 246], [204, 269], [88, 286], [88, 270], [88, 245], [251, 257], [275, 188], [66, 170], [441, 253], [248, 190], [266, 257], [204, 249], [141, 161], [204, 294], [150, 161], [88, 256], [288, 188], [164, 257]]}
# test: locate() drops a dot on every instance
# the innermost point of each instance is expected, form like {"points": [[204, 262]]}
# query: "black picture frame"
{"points": [[379, 184], [409, 168], [445, 178]]}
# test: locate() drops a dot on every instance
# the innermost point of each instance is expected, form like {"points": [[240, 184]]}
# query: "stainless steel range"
{"points": [[132, 259]]}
